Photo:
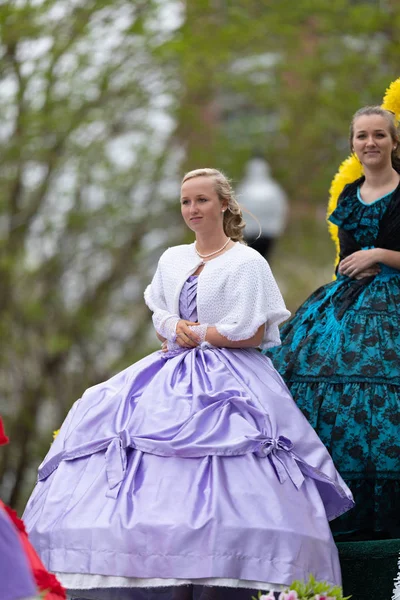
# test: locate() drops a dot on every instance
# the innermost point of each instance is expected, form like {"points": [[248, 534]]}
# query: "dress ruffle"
{"points": [[343, 370], [360, 219]]}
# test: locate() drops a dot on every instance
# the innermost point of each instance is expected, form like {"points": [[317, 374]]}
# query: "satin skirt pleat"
{"points": [[195, 466]]}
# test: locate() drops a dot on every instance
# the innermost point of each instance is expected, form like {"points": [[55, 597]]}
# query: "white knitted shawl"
{"points": [[236, 292]]}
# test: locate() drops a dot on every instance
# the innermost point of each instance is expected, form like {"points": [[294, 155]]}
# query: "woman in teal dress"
{"points": [[340, 352]]}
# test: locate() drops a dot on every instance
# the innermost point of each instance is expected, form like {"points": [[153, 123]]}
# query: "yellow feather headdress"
{"points": [[351, 169]]}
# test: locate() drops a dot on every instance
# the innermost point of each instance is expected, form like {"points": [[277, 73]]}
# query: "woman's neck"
{"points": [[381, 179], [210, 242]]}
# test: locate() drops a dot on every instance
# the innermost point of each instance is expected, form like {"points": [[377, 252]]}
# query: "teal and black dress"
{"points": [[340, 357]]}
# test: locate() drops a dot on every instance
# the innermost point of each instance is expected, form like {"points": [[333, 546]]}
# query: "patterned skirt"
{"points": [[342, 365]]}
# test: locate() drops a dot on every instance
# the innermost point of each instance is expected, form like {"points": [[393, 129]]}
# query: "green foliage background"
{"points": [[103, 105]]}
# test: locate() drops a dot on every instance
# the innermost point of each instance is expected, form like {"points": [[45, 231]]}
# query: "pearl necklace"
{"points": [[212, 253]]}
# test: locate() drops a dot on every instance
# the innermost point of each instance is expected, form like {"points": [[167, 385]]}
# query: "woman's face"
{"points": [[372, 141], [201, 208]]}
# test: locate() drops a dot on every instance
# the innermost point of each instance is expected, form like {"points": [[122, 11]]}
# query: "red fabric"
{"points": [[47, 581], [3, 438], [19, 524], [44, 580]]}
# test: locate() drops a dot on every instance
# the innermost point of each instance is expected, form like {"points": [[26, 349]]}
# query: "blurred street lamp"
{"points": [[265, 199]]}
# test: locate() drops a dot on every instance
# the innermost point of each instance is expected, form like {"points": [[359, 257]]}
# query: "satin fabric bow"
{"points": [[285, 464]]}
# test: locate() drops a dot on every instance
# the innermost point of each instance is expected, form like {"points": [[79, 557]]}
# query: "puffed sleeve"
{"points": [[164, 322], [256, 299]]}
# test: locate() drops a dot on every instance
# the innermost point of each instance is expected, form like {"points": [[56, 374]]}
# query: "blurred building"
{"points": [[264, 198]]}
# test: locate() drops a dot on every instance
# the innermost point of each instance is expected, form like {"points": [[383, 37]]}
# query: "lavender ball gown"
{"points": [[195, 467]]}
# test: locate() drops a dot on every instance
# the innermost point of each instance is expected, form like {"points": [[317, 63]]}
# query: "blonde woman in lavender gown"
{"points": [[192, 474]]}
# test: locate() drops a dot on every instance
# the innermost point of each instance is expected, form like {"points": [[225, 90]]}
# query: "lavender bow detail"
{"points": [[116, 462], [115, 457], [280, 454]]}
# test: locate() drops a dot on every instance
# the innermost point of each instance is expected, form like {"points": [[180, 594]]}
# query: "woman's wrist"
{"points": [[378, 254], [167, 328], [200, 331]]}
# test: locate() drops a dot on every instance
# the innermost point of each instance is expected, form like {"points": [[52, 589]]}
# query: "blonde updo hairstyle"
{"points": [[233, 222]]}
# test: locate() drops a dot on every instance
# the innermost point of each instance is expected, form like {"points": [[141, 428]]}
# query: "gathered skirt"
{"points": [[343, 370], [195, 467]]}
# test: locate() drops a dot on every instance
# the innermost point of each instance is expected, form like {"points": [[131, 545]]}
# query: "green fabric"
{"points": [[369, 568]]}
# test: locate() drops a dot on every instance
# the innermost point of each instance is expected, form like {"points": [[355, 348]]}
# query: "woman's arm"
{"points": [[220, 341], [359, 261], [167, 326], [390, 258], [216, 339]]}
